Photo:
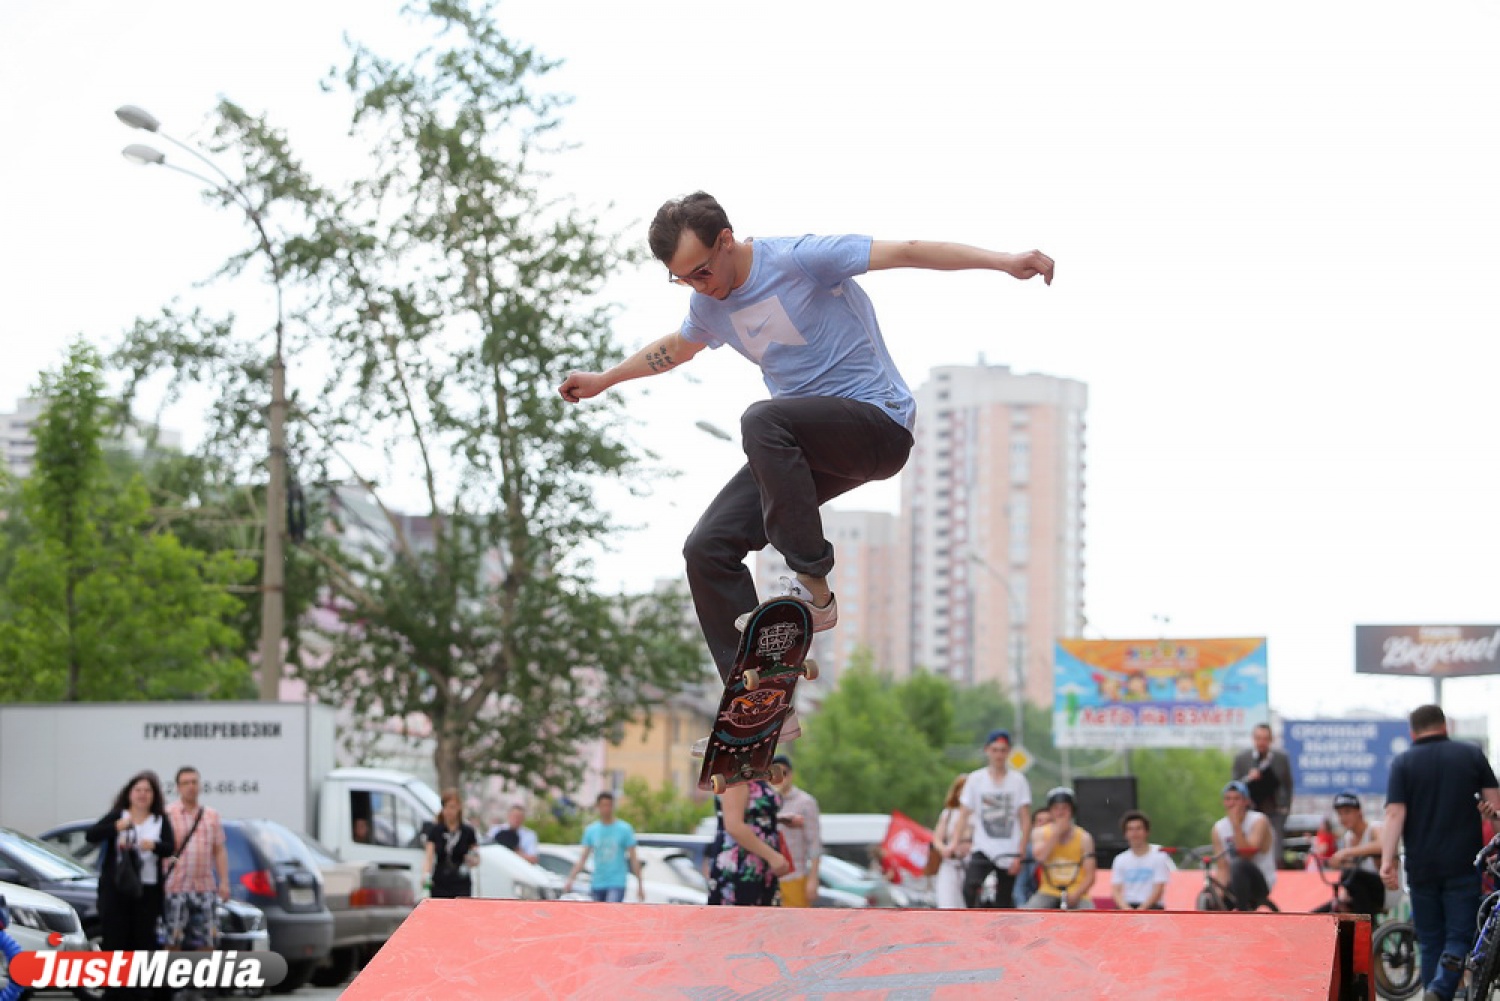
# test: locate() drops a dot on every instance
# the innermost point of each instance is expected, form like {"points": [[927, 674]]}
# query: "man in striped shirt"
{"points": [[201, 854]]}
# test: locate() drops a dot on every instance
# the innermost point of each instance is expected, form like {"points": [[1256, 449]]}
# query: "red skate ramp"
{"points": [[489, 949]]}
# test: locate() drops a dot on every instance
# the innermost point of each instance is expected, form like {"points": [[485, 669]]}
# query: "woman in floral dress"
{"points": [[745, 865]]}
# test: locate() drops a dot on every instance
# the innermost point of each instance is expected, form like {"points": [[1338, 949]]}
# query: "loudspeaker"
{"points": [[1102, 802]]}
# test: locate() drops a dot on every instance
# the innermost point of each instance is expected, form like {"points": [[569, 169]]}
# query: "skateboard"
{"points": [[771, 657]]}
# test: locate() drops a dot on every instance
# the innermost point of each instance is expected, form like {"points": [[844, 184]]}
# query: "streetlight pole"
{"points": [[273, 563], [1015, 647]]}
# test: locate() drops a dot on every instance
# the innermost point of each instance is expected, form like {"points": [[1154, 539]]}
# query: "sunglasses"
{"points": [[701, 273]]}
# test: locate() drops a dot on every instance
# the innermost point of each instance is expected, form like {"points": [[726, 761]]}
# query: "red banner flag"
{"points": [[906, 844]]}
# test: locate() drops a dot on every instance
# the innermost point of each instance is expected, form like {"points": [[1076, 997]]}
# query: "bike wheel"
{"points": [[1393, 950], [1486, 983]]}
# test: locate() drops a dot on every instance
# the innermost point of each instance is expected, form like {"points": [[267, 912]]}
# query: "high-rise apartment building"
{"points": [[991, 565], [18, 442]]}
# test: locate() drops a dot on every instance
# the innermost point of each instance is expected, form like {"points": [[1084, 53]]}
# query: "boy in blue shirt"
{"points": [[612, 842], [840, 415]]}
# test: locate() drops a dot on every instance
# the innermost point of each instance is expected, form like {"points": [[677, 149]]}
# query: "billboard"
{"points": [[1158, 693], [1427, 651], [1329, 756]]}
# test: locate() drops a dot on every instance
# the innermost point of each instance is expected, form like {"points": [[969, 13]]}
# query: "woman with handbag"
{"points": [[135, 838], [951, 847], [745, 864]]}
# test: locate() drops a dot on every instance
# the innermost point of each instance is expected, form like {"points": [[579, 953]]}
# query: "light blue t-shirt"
{"points": [[608, 843], [807, 324]]}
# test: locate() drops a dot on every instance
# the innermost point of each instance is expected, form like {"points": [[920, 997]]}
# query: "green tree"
{"points": [[1180, 789], [663, 810], [862, 753], [445, 295], [97, 602], [928, 702], [209, 506]]}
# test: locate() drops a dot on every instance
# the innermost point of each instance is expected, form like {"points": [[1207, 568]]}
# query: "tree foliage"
{"points": [[97, 602], [863, 753], [662, 810], [878, 745], [442, 296], [1180, 788]]}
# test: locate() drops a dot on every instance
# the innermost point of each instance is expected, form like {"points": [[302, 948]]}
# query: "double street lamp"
{"points": [[273, 568]]}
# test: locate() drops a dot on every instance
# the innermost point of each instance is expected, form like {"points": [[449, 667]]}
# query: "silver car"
{"points": [[34, 916]]}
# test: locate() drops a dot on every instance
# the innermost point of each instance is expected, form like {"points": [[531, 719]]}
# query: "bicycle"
{"points": [[1394, 953], [1063, 873], [1393, 944], [1394, 960], [1215, 896], [1483, 962]]}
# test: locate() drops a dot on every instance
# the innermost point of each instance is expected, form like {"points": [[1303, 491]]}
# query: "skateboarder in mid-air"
{"points": [[840, 415]]}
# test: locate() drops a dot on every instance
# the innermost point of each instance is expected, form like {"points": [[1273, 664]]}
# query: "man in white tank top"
{"points": [[1359, 851], [1244, 844]]}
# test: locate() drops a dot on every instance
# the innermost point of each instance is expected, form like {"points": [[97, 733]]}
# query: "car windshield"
{"points": [[315, 847], [841, 871], [560, 864], [687, 872], [279, 845], [29, 853]]}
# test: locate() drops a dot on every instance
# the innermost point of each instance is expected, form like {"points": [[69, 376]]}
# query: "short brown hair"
{"points": [[1134, 815], [1425, 718], [699, 212]]}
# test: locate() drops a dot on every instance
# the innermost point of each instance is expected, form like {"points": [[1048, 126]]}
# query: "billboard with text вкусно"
{"points": [[1427, 651]]}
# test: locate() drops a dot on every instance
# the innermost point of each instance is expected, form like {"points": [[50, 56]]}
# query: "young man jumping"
{"points": [[840, 415]]}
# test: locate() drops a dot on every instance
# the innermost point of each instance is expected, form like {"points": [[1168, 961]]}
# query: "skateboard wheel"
{"points": [[810, 669], [719, 784], [752, 678]]}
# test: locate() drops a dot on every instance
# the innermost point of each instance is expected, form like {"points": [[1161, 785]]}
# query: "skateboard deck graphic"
{"points": [[762, 683]]}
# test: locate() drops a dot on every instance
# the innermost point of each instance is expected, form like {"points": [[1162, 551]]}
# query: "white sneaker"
{"points": [[824, 617], [700, 747], [791, 729]]}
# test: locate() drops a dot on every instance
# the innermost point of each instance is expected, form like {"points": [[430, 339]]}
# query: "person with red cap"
{"points": [[999, 802]]}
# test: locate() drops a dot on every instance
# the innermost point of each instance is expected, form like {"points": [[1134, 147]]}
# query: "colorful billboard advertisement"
{"points": [[1427, 651], [1331, 755], [1158, 693]]}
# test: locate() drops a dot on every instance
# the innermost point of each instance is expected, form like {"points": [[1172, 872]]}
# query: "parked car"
{"points": [[559, 860], [269, 867], [34, 916], [670, 865], [829, 897], [696, 845], [368, 902], [839, 874], [505, 875], [36, 864]]}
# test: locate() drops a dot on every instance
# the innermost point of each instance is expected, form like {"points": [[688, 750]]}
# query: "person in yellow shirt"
{"points": [[1065, 854]]}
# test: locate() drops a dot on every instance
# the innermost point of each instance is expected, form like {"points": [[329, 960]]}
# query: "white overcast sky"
{"points": [[1275, 227]]}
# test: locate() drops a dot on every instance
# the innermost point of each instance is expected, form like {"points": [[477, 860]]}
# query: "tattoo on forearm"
{"points": [[659, 360]]}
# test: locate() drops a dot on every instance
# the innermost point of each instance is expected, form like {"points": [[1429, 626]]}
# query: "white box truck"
{"points": [[61, 762]]}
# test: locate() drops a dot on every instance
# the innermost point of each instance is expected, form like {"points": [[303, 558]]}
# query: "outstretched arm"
{"points": [[957, 257], [653, 359]]}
